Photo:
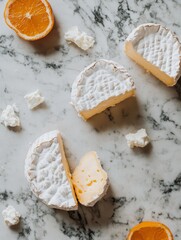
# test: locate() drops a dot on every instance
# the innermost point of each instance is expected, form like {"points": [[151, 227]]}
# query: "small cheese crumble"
{"points": [[138, 139], [81, 39], [9, 116], [11, 216], [34, 99]]}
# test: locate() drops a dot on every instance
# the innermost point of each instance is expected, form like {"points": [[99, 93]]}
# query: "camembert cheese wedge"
{"points": [[156, 49], [47, 172], [101, 85], [90, 180]]}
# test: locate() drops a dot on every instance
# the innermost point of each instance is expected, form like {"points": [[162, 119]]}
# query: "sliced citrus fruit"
{"points": [[150, 231], [30, 19]]}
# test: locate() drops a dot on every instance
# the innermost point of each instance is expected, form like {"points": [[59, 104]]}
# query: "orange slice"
{"points": [[150, 231], [30, 19]]}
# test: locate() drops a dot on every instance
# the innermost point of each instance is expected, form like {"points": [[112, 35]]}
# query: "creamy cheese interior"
{"points": [[105, 104], [90, 180]]}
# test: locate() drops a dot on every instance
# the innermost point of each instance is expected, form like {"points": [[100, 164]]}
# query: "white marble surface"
{"points": [[145, 184]]}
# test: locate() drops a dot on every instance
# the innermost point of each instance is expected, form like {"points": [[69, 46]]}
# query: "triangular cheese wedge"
{"points": [[47, 172], [156, 49], [101, 85], [90, 180]]}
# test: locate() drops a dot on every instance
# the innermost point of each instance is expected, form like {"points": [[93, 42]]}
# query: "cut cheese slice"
{"points": [[47, 172], [156, 49], [90, 180], [101, 85]]}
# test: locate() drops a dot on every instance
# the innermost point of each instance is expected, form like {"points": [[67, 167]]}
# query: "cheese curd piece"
{"points": [[9, 116], [34, 99], [90, 180], [138, 139], [47, 172], [11, 216], [81, 39], [156, 49], [101, 85]]}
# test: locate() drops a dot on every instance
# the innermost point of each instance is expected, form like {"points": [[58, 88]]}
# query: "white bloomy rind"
{"points": [[47, 172], [138, 139], [9, 116], [11, 216], [157, 49], [81, 39], [34, 99], [101, 85]]}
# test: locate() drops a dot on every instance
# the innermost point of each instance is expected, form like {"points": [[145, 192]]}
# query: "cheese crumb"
{"points": [[81, 39], [9, 116], [138, 139], [34, 99], [11, 216]]}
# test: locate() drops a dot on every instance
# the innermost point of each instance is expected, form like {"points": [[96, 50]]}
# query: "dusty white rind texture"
{"points": [[9, 116], [11, 216], [158, 46], [81, 39], [47, 173], [98, 83], [138, 139]]}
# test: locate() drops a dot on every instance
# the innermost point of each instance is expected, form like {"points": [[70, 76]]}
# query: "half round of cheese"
{"points": [[47, 172], [156, 49], [101, 85], [90, 180]]}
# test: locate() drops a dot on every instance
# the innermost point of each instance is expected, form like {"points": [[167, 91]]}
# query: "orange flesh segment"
{"points": [[150, 234], [29, 16], [150, 231]]}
